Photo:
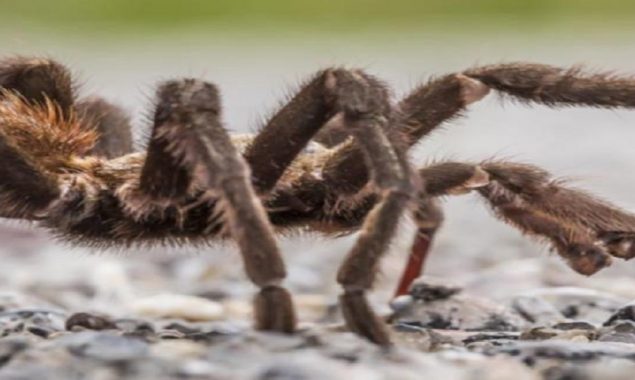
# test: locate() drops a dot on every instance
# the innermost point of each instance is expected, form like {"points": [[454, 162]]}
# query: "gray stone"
{"points": [[619, 331], [39, 322], [543, 333], [135, 328], [427, 289], [103, 346], [89, 321], [579, 304], [617, 337], [10, 347], [624, 327], [624, 313], [536, 310], [574, 325], [563, 350], [459, 313]]}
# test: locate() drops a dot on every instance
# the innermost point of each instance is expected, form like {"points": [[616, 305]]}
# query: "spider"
{"points": [[333, 159]]}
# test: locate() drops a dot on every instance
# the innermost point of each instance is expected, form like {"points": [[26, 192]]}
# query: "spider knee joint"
{"points": [[272, 280], [472, 90], [428, 216], [400, 189], [270, 276], [395, 180], [356, 94], [480, 178], [187, 96], [352, 290]]}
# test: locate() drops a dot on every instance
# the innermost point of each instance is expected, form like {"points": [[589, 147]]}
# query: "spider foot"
{"points": [[273, 309], [586, 259], [619, 243], [361, 319]]}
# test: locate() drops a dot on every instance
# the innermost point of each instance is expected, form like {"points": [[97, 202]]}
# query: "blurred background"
{"points": [[257, 51]]}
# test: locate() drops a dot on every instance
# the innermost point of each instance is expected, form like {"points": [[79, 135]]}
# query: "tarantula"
{"points": [[333, 159]]}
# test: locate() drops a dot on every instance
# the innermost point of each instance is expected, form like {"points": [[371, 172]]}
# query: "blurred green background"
{"points": [[112, 16]]}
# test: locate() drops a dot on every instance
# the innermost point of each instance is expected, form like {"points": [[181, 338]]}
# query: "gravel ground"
{"points": [[67, 313]]}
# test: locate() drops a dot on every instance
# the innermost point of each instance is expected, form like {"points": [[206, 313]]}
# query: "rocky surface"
{"points": [[96, 324]]}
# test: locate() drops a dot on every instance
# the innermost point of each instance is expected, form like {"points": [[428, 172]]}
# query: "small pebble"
{"points": [[181, 328], [11, 346], [178, 306], [539, 333], [79, 321], [575, 325], [627, 327], [625, 313], [177, 349], [200, 368], [536, 310], [402, 302], [134, 326], [428, 289], [170, 334], [104, 346]]}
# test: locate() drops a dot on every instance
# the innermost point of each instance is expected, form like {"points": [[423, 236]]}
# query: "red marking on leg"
{"points": [[416, 261]]}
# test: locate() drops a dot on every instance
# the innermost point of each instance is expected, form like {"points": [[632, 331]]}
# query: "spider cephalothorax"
{"points": [[333, 160]]}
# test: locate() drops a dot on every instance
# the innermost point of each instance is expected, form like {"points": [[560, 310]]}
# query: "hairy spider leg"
{"points": [[190, 148], [363, 103], [442, 99]]}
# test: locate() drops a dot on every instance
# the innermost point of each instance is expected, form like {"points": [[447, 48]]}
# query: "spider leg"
{"points": [[584, 229], [441, 99], [390, 175], [289, 131], [362, 105], [435, 102], [557, 86], [25, 189], [296, 123], [428, 217], [440, 179], [612, 227], [423, 110], [111, 123], [190, 148], [420, 112], [38, 79]]}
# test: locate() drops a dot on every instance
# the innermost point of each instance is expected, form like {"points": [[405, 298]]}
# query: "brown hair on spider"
{"points": [[333, 159]]}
